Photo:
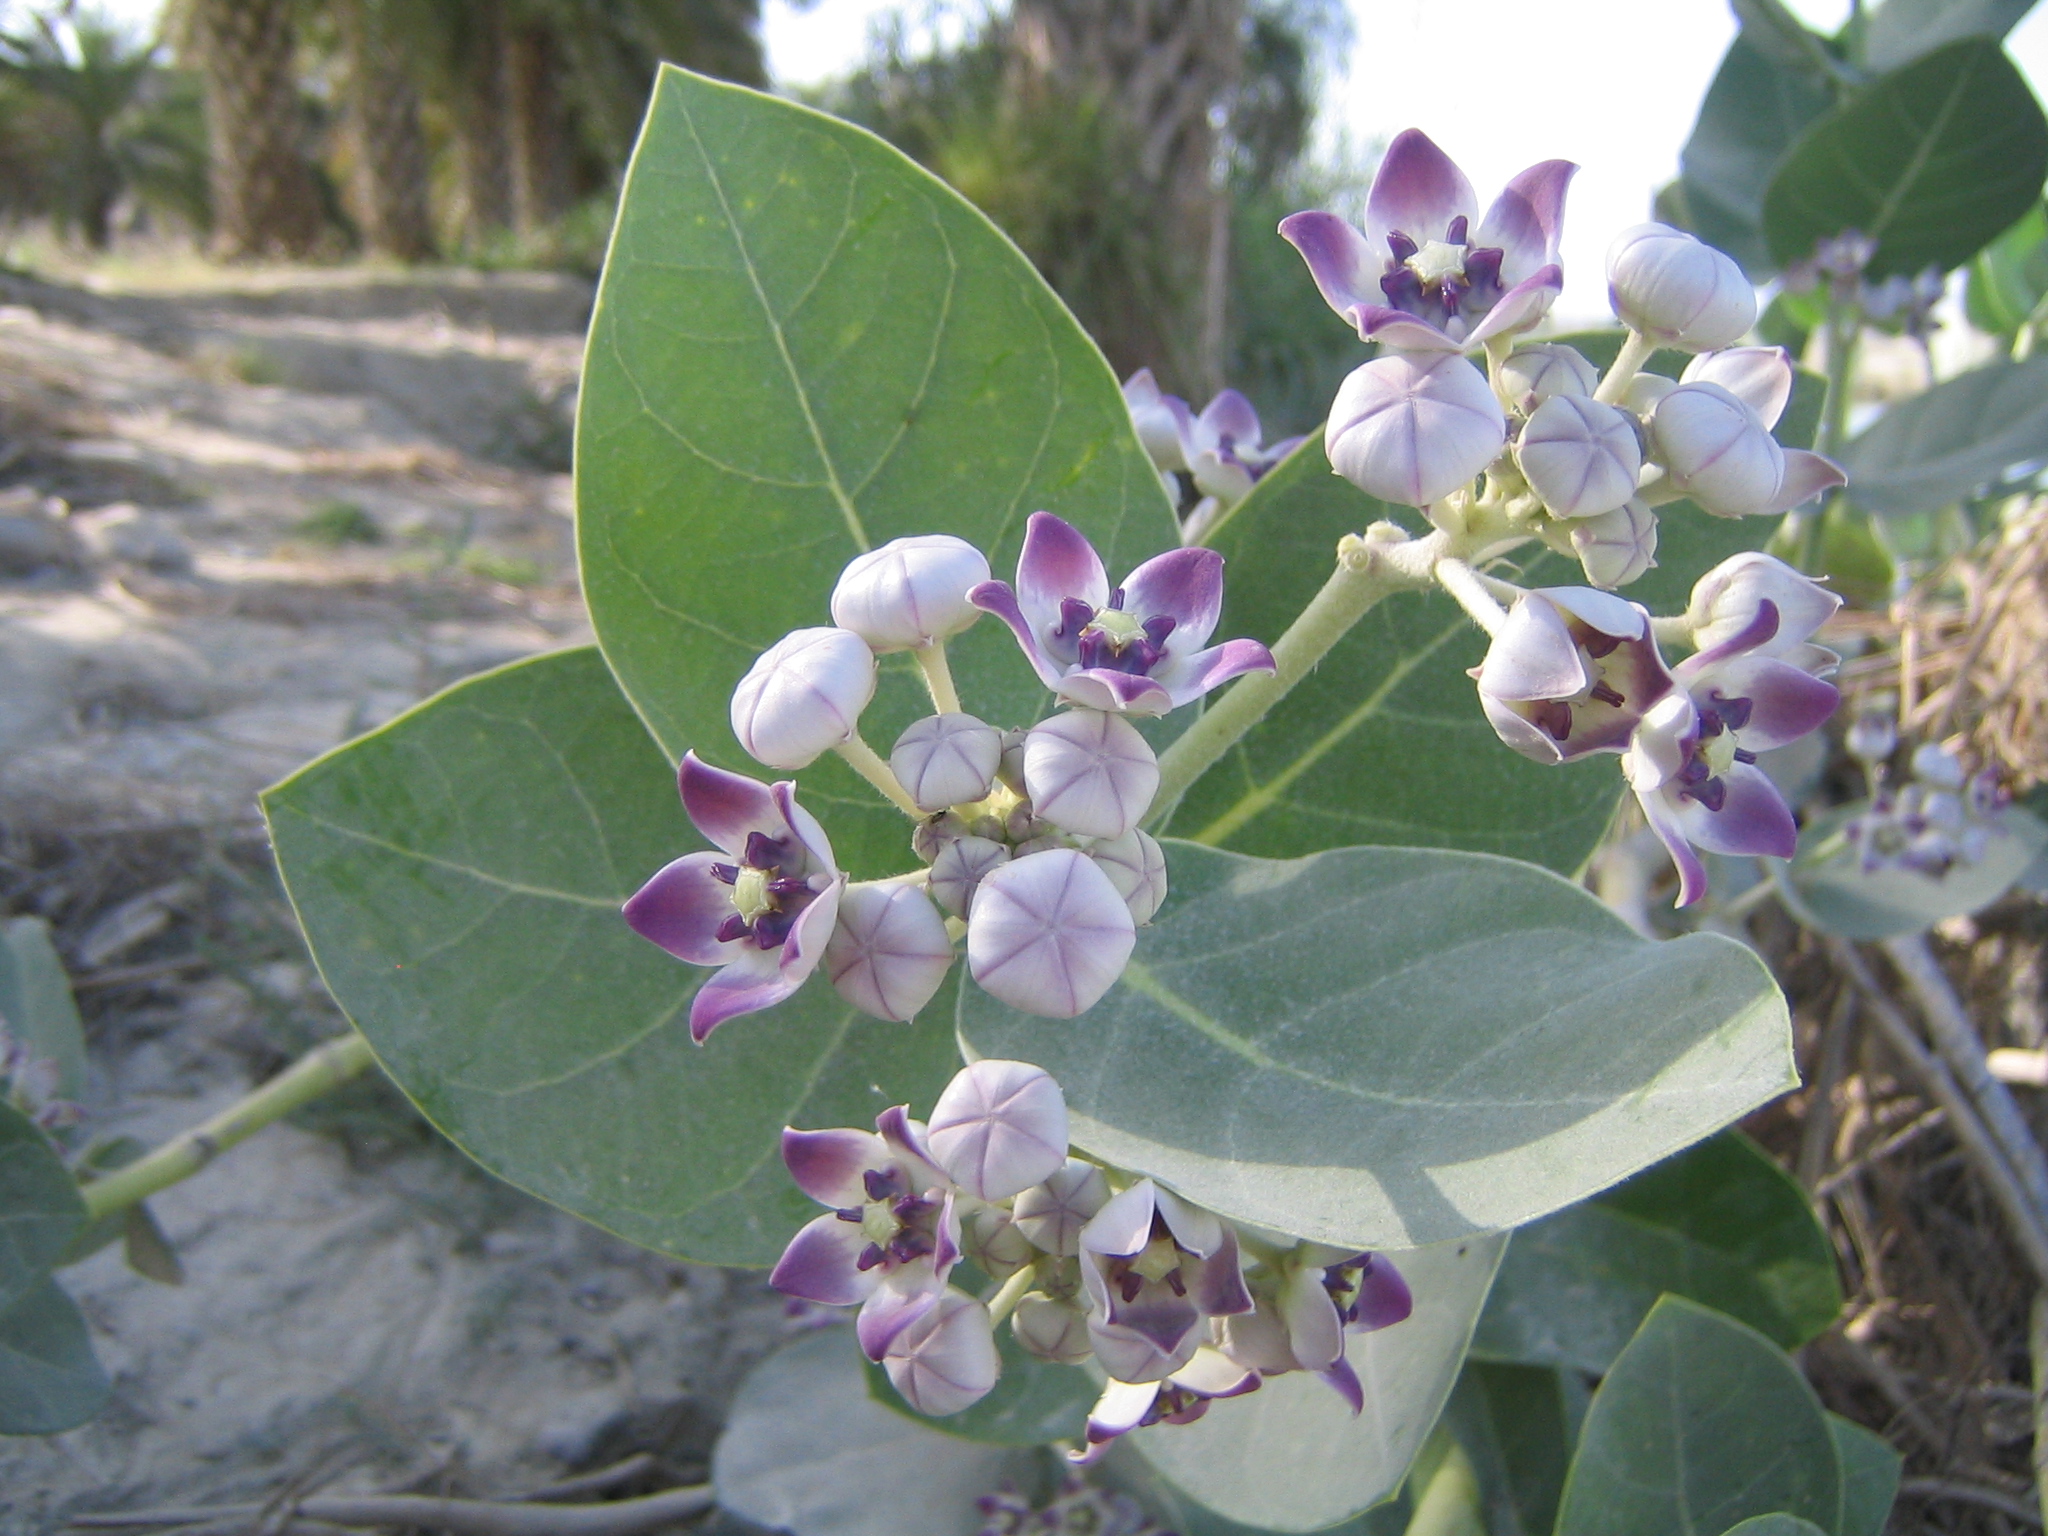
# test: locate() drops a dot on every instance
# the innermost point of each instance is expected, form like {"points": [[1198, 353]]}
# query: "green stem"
{"points": [[1844, 328], [938, 677], [319, 1071], [1014, 1290], [1472, 593], [1368, 569], [1628, 362], [862, 759]]}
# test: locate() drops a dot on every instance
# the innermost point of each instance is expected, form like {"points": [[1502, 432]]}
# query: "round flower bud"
{"points": [[1938, 766], [910, 592], [1011, 772], [1053, 1213], [803, 696], [1677, 290], [989, 1240], [1580, 456], [958, 868], [1411, 428], [1616, 547], [1136, 866], [1716, 451], [999, 1128], [1051, 1330], [1544, 370], [1089, 772], [1874, 737], [945, 760], [890, 950], [945, 1361], [1049, 934]]}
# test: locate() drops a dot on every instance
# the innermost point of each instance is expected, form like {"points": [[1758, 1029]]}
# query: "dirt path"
{"points": [[238, 527]]}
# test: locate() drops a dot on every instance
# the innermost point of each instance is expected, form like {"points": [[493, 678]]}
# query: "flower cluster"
{"points": [[1573, 671], [1077, 1508], [1209, 462], [1938, 818], [1030, 838], [1567, 457], [1176, 1305], [29, 1083]]}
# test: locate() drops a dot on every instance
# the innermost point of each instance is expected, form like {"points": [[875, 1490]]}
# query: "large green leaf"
{"points": [[1289, 1457], [804, 346], [39, 1206], [1515, 1425], [1900, 31], [1702, 1423], [49, 1379], [1720, 1223], [36, 1005], [1380, 1047], [1870, 1477], [1931, 161], [1774, 1525], [1957, 438], [1759, 102], [2009, 277], [1034, 1402], [1126, 1471], [459, 875], [1836, 896]]}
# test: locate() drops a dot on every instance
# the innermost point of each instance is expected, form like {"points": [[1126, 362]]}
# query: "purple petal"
{"points": [[1345, 1380], [1315, 1332], [1418, 191], [1198, 1231], [751, 981], [1806, 476], [1534, 655], [947, 1361], [805, 946], [1123, 1226], [1149, 1340], [681, 909], [1057, 563], [1121, 1409], [996, 597], [1219, 1288], [725, 807], [1760, 377], [1520, 307], [1383, 1296], [805, 826], [821, 1264], [1753, 818], [1187, 680], [1185, 585], [1346, 270], [827, 1165], [1114, 693], [1787, 702], [1664, 820], [905, 1139], [1401, 331], [1214, 1374], [1761, 629], [1527, 219], [1231, 415], [905, 1294]]}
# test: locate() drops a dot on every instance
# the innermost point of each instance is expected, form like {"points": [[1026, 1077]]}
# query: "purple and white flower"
{"points": [[1428, 274], [1716, 449], [1571, 672], [1048, 934], [889, 950], [1136, 648], [1156, 1270], [1180, 1398], [1222, 451], [761, 909], [1303, 1307], [1161, 421], [1412, 428], [1725, 603]]}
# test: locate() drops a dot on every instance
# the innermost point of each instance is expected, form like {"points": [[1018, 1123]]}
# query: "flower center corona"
{"points": [[765, 901]]}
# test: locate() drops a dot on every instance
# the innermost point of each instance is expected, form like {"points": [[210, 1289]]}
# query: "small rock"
{"points": [[121, 928], [33, 543], [125, 533]]}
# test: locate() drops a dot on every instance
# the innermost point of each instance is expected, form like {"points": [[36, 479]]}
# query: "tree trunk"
{"points": [[539, 127], [265, 200], [1167, 70], [480, 121], [383, 102]]}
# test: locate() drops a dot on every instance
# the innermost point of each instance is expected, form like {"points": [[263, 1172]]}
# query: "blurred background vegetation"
{"points": [[1139, 152]]}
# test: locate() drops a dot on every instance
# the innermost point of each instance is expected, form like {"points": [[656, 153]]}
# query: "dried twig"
{"points": [[1863, 1161], [460, 1517], [1971, 1493], [2037, 1351]]}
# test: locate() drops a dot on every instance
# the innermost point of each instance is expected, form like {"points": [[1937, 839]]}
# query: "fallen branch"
{"points": [[459, 1517], [1971, 1493]]}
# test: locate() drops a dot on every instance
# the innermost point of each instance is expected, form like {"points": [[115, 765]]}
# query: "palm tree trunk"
{"points": [[265, 200], [481, 121], [539, 128], [383, 101]]}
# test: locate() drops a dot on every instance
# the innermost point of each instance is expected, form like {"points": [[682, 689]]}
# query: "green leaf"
{"points": [[805, 1450], [2009, 277], [1289, 1457], [1385, 1047], [1448, 1498], [1124, 1470], [39, 1205], [1870, 1477], [1775, 1525], [1757, 105], [1720, 1223], [1838, 897], [459, 875], [805, 345], [1931, 161], [1034, 1402], [49, 1379], [1962, 435], [1900, 31], [1702, 1423], [36, 1003], [1514, 1424]]}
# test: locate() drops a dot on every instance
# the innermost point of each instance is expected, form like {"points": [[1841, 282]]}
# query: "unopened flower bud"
{"points": [[1543, 371], [1136, 866], [1052, 1330], [1717, 451], [1874, 737], [1053, 1213], [1936, 765], [803, 696], [958, 868], [929, 837], [989, 1239], [1011, 771], [1089, 772], [1049, 934], [1412, 428], [890, 950], [999, 1128], [1644, 391], [1580, 456], [1678, 290], [1616, 547], [910, 592], [1760, 377], [945, 760], [946, 1361]]}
